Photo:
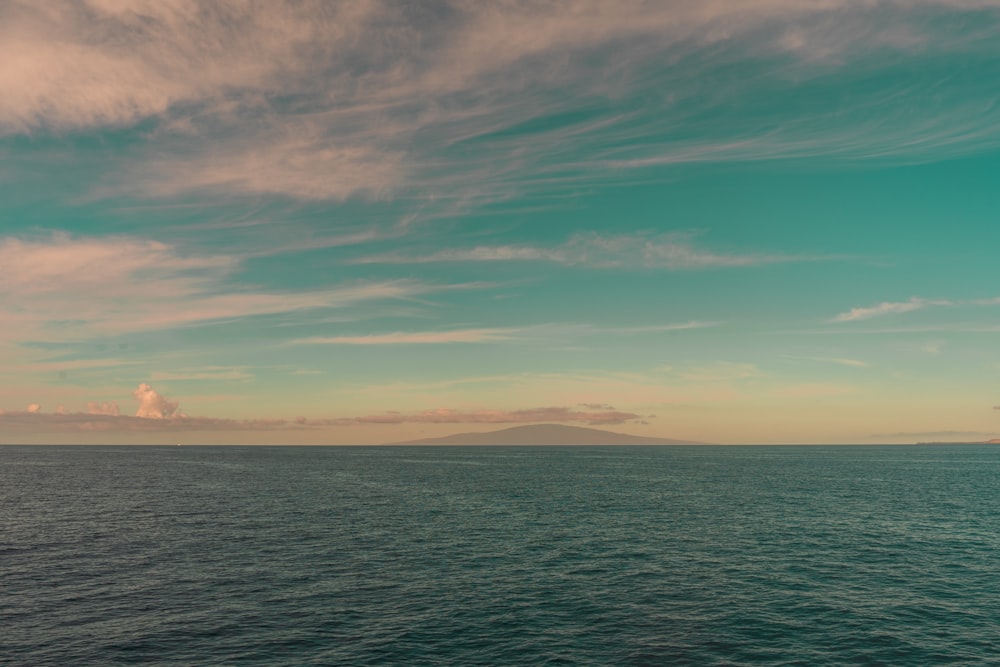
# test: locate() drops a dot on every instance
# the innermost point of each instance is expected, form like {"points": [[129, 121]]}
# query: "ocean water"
{"points": [[500, 556]]}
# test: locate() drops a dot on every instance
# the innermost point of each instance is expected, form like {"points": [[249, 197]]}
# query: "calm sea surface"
{"points": [[500, 556]]}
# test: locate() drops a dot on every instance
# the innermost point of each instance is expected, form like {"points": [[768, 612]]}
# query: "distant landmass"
{"points": [[994, 441], [546, 434]]}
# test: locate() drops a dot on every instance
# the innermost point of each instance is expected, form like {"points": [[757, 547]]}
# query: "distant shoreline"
{"points": [[961, 442]]}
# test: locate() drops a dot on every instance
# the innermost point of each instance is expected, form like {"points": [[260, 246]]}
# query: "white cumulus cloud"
{"points": [[152, 405]]}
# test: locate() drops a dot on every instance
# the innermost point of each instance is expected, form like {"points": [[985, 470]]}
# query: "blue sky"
{"points": [[764, 221]]}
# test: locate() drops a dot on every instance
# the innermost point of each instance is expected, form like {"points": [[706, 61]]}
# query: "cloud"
{"points": [[566, 330], [598, 414], [300, 166], [723, 371], [414, 338], [560, 388], [202, 373], [596, 406], [106, 62], [98, 286], [854, 363], [537, 332], [666, 251], [456, 102], [889, 308], [43, 422], [114, 266], [154, 406], [813, 390], [932, 347], [959, 327], [62, 366], [915, 303], [156, 412], [109, 408]]}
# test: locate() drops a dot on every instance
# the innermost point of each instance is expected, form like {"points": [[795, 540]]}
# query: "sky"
{"points": [[765, 221]]}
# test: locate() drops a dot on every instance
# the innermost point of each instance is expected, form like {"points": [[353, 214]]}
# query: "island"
{"points": [[546, 434], [994, 441]]}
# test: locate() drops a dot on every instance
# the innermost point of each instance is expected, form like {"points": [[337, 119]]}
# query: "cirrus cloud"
{"points": [[537, 332], [889, 308], [414, 337], [666, 251], [323, 101], [117, 284]]}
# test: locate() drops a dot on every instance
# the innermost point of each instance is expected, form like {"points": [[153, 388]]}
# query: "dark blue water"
{"points": [[500, 556]]}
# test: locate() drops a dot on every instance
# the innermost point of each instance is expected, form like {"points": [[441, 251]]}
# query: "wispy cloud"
{"points": [[841, 361], [63, 287], [915, 303], [414, 337], [652, 390], [537, 332], [813, 390], [62, 365], [202, 373], [889, 308], [932, 347], [665, 251], [38, 266], [723, 371], [450, 99], [952, 327], [650, 328], [143, 59]]}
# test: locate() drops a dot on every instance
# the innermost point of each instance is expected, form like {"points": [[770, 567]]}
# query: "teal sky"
{"points": [[763, 221]]}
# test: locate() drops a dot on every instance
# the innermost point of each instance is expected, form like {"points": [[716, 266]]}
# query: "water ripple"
{"points": [[499, 556]]}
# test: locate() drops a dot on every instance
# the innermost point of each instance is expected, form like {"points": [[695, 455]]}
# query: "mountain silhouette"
{"points": [[546, 434]]}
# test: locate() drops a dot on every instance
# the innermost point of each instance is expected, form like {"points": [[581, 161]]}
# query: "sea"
{"points": [[672, 555]]}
